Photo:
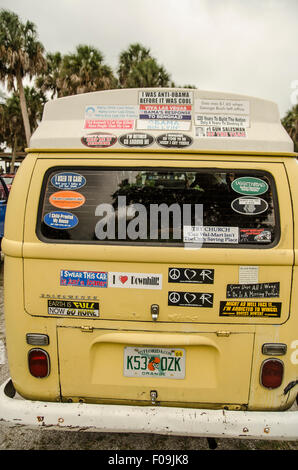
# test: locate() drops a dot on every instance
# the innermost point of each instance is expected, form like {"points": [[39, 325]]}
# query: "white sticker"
{"points": [[163, 124], [221, 120], [248, 274], [220, 131], [101, 111], [135, 280], [206, 234], [109, 124], [166, 97], [222, 106]]}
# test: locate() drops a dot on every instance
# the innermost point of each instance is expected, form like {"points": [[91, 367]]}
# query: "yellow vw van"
{"points": [[150, 267]]}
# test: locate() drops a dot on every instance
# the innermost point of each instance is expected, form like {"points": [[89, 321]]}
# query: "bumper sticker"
{"points": [[191, 275], [190, 299], [83, 278], [249, 309], [242, 291], [73, 308]]}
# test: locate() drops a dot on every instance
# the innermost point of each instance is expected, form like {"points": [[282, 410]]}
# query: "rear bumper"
{"points": [[141, 419]]}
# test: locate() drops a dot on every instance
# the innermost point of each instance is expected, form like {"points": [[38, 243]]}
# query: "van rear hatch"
{"points": [[157, 272]]}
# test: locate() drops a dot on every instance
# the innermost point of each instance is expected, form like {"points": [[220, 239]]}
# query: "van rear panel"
{"points": [[158, 315]]}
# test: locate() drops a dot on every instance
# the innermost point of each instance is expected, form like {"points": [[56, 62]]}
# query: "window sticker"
{"points": [[249, 186], [67, 199], [135, 280], [83, 278], [61, 220], [99, 140], [249, 309], [202, 234], [249, 205], [190, 299], [242, 291], [191, 275], [73, 308], [253, 235], [68, 180]]}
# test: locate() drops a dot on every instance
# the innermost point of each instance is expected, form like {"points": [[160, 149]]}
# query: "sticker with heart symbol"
{"points": [[191, 275], [190, 299]]}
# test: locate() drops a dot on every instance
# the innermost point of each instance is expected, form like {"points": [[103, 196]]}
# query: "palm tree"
{"points": [[21, 54], [137, 68], [47, 81], [11, 121], [83, 72], [290, 123]]}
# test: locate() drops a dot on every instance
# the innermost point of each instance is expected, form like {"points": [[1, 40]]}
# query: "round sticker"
{"points": [[99, 140], [174, 140], [67, 199], [249, 186], [136, 139], [68, 180], [249, 205], [61, 220]]}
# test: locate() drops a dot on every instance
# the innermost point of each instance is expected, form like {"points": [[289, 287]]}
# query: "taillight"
{"points": [[272, 371], [39, 363]]}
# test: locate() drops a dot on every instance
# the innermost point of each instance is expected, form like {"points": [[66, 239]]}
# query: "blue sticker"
{"points": [[83, 278], [61, 220], [68, 180]]}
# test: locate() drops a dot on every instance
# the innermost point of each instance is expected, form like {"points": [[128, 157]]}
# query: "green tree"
{"points": [[290, 123], [137, 68], [12, 134], [81, 72], [48, 80], [21, 54]]}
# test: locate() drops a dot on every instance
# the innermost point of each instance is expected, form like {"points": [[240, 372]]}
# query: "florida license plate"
{"points": [[154, 362]]}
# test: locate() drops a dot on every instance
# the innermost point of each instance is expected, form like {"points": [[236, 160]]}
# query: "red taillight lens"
{"points": [[272, 373], [39, 363]]}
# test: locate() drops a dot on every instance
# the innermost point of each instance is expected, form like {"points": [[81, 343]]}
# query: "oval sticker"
{"points": [[136, 139], [249, 205], [174, 140], [67, 199], [68, 180], [249, 186], [99, 140], [61, 220]]}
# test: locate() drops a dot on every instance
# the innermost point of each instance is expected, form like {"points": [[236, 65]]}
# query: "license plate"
{"points": [[154, 362]]}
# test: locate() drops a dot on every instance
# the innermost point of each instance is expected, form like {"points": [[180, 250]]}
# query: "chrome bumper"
{"points": [[275, 425]]}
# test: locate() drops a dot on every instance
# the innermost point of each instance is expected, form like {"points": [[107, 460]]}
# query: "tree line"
{"points": [[54, 75]]}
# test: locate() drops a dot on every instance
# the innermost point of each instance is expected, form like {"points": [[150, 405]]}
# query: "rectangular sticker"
{"points": [[109, 124], [135, 280], [222, 106], [83, 278], [242, 291], [190, 299], [169, 97], [191, 275], [249, 309], [165, 111], [230, 120], [154, 362], [220, 131], [70, 308], [164, 125], [109, 111], [204, 234], [248, 274]]}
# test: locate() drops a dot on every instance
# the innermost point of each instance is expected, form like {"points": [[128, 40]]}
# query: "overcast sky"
{"points": [[240, 46]]}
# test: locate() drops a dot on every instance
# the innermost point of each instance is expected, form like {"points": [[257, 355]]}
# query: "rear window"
{"points": [[159, 206]]}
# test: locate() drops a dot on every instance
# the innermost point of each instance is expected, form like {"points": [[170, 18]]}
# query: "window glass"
{"points": [[159, 206]]}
